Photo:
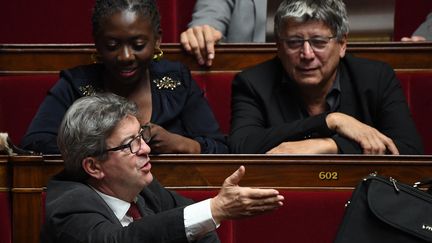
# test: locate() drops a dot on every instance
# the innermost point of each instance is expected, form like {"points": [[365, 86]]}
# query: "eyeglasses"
{"points": [[318, 43], [135, 144]]}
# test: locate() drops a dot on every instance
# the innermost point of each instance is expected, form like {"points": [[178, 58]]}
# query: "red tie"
{"points": [[134, 212]]}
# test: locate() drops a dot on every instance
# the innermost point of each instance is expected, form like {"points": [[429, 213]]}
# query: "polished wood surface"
{"points": [[50, 58], [302, 172], [4, 173], [282, 171], [30, 175], [286, 172]]}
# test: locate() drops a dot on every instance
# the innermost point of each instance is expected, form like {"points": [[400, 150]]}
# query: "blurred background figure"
{"points": [[232, 21], [423, 32]]}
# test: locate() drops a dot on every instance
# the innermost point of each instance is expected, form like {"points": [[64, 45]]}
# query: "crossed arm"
{"points": [[378, 121], [370, 139]]}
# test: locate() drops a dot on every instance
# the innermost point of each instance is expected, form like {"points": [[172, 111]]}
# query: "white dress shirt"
{"points": [[198, 219]]}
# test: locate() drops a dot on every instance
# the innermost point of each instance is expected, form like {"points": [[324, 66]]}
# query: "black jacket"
{"points": [[75, 213], [182, 111], [265, 110]]}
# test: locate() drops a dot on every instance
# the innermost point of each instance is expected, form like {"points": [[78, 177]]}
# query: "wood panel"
{"points": [[30, 176], [26, 215], [49, 58], [283, 171], [4, 173], [289, 172]]}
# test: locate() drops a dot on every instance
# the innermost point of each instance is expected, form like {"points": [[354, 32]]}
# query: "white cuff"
{"points": [[198, 220]]}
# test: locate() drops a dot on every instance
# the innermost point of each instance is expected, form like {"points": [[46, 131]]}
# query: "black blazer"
{"points": [[182, 110], [265, 110], [76, 213]]}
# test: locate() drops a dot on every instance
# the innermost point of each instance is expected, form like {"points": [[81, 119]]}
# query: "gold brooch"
{"points": [[88, 90], [166, 83]]}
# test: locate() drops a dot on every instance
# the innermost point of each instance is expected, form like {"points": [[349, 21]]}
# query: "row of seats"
{"points": [[20, 96], [308, 216], [74, 15]]}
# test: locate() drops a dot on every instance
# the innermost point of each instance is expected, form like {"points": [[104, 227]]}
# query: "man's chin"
{"points": [[308, 81], [148, 179]]}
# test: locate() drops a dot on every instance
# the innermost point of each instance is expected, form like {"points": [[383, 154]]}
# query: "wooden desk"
{"points": [[4, 174], [31, 173], [5, 200], [49, 58], [302, 172]]}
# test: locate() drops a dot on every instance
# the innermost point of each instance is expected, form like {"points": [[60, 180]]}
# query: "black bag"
{"points": [[384, 210]]}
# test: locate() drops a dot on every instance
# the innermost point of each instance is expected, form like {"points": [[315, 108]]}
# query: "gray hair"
{"points": [[332, 12], [86, 126]]}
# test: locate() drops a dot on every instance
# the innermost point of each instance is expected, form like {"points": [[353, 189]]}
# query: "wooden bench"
{"points": [[313, 185], [20, 96]]}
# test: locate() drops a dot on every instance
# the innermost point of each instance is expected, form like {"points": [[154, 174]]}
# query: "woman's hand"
{"points": [[165, 142]]}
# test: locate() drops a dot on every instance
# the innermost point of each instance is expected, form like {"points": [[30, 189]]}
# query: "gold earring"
{"points": [[95, 57], [158, 55]]}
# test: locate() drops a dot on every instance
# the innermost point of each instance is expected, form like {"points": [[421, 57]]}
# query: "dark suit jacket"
{"points": [[266, 110], [76, 213], [183, 110]]}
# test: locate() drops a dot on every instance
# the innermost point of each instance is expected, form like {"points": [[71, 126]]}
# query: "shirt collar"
{"points": [[118, 206], [333, 96]]}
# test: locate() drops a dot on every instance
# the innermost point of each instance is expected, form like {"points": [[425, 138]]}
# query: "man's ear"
{"points": [[279, 47], [93, 167], [343, 44]]}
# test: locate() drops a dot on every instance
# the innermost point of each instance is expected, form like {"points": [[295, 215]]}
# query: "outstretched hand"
{"points": [[234, 201]]}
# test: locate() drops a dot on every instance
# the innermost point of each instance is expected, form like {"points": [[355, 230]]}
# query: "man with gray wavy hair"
{"points": [[108, 193], [313, 98]]}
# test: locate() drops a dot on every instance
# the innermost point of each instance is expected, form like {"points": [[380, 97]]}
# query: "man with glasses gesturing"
{"points": [[313, 98], [107, 192]]}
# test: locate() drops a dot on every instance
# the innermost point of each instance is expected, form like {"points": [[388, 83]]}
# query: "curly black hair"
{"points": [[105, 8]]}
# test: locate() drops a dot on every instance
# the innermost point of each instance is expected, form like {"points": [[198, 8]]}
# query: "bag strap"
{"points": [[425, 182]]}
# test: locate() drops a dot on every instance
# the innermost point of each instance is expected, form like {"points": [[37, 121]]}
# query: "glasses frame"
{"points": [[144, 134], [309, 41]]}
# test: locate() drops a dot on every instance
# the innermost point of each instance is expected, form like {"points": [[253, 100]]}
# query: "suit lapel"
{"points": [[286, 97], [348, 96], [353, 102], [148, 203]]}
